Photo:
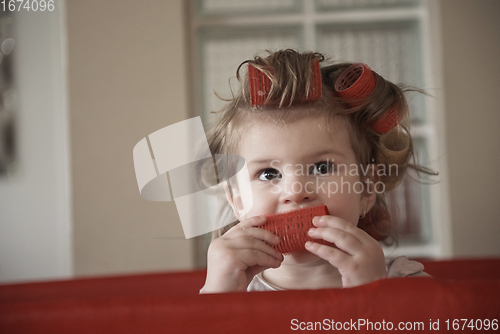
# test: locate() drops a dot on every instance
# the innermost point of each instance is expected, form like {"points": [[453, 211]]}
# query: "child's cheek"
{"points": [[342, 197], [264, 200], [337, 185]]}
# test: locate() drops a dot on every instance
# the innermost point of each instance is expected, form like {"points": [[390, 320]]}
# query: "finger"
{"points": [[336, 257], [249, 243], [342, 239], [261, 234], [253, 221], [339, 223], [257, 233]]}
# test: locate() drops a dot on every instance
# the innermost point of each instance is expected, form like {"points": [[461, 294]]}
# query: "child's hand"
{"points": [[359, 258], [241, 253]]}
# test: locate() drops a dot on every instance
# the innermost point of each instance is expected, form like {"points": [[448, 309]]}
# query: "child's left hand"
{"points": [[359, 257]]}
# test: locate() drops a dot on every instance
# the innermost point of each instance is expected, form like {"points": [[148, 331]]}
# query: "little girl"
{"points": [[307, 142]]}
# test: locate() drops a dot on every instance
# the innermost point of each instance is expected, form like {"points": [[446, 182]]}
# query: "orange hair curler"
{"points": [[260, 85], [357, 82], [387, 121], [292, 227]]}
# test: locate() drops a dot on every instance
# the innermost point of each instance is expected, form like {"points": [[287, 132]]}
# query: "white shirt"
{"points": [[398, 267]]}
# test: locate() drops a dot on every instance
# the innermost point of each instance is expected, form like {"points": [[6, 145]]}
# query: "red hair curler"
{"points": [[260, 85], [292, 227], [357, 82], [387, 121]]}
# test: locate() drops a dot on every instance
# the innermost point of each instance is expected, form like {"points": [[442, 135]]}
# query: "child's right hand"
{"points": [[240, 254]]}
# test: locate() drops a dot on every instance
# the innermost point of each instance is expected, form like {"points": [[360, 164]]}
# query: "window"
{"points": [[391, 36]]}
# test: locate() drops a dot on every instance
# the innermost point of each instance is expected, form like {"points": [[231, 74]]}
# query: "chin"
{"points": [[301, 257]]}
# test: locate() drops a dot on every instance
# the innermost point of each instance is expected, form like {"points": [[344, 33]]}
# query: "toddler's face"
{"points": [[303, 164]]}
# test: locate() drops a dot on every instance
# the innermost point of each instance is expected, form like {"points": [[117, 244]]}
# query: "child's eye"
{"points": [[322, 168], [268, 174]]}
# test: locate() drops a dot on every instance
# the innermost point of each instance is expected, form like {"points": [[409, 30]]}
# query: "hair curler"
{"points": [[292, 227], [260, 85], [387, 121], [357, 82]]}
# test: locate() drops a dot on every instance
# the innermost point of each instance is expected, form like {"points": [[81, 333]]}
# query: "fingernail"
{"points": [[311, 231], [317, 220], [308, 244]]}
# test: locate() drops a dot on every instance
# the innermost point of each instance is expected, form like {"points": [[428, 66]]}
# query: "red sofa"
{"points": [[170, 303]]}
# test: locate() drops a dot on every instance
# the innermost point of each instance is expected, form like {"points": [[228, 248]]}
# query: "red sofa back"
{"points": [[169, 303]]}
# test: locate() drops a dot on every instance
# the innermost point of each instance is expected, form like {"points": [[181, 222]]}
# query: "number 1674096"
{"points": [[27, 5]]}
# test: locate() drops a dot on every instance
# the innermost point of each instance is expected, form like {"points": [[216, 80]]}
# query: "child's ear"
{"points": [[234, 199], [370, 194]]}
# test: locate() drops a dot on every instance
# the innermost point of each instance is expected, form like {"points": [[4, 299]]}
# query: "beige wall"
{"points": [[471, 54], [127, 79]]}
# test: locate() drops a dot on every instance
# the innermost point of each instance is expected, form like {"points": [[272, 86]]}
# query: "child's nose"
{"points": [[298, 189]]}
